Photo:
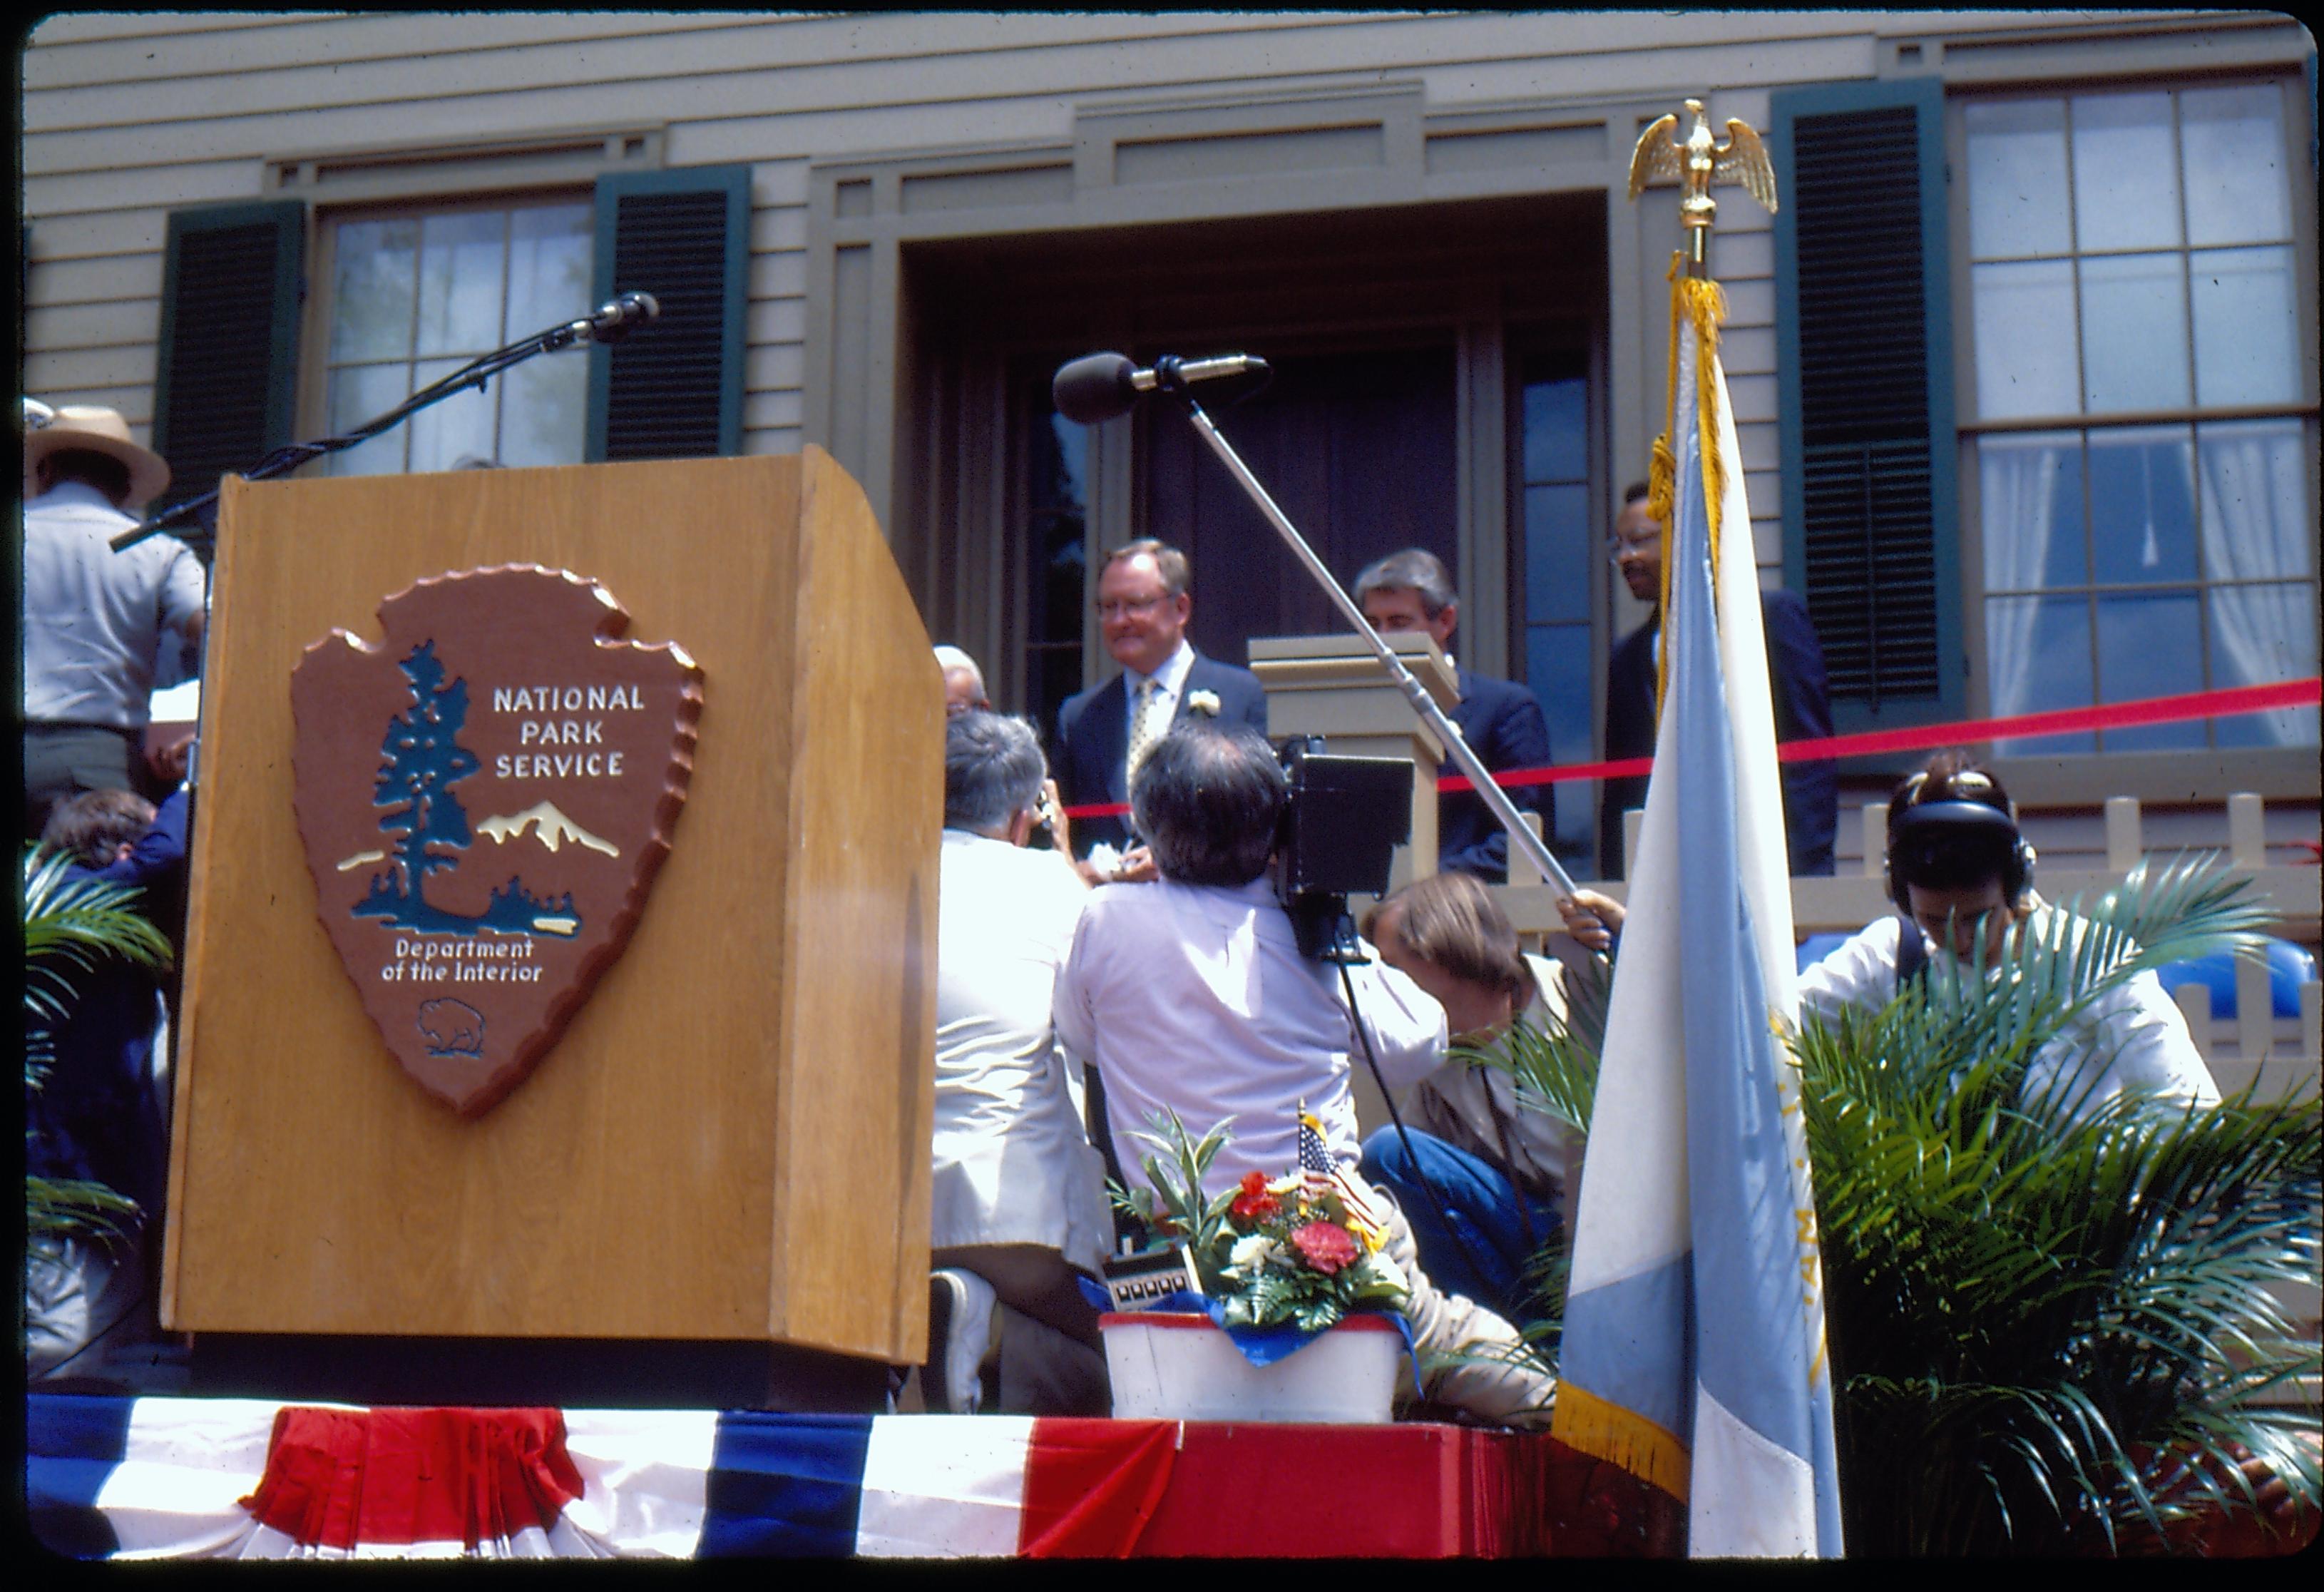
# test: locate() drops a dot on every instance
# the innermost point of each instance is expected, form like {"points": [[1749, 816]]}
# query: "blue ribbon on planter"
{"points": [[1261, 1346]]}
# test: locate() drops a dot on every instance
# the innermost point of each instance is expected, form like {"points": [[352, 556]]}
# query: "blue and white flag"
{"points": [[1693, 1348]]}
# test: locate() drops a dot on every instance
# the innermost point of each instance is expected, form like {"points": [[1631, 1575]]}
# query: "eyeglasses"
{"points": [[1618, 546], [1139, 609]]}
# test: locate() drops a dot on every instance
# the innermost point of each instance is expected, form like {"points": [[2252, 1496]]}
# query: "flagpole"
{"points": [[1694, 1356], [1496, 799]]}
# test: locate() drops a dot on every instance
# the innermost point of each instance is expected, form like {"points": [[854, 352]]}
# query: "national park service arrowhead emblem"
{"points": [[485, 795]]}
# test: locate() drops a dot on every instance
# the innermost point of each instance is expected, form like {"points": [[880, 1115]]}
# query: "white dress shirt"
{"points": [[1011, 1162], [92, 619], [2133, 1036], [1194, 999]]}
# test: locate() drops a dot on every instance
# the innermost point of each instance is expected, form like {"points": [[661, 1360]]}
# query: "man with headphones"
{"points": [[1949, 829], [1959, 874]]}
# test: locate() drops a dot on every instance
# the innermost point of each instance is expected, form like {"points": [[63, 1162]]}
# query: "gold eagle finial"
{"points": [[1697, 162]]}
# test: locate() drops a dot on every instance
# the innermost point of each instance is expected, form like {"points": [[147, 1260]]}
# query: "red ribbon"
{"points": [[2226, 704], [341, 1479]]}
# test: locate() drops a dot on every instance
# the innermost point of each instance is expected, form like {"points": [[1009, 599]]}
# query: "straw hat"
{"points": [[89, 429]]}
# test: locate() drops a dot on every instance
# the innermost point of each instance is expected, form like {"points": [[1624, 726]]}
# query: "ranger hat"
{"points": [[91, 428]]}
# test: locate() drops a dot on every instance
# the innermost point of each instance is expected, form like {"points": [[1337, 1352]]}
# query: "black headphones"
{"points": [[1919, 832]]}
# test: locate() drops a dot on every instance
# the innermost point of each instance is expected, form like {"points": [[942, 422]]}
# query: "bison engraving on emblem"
{"points": [[452, 1028]]}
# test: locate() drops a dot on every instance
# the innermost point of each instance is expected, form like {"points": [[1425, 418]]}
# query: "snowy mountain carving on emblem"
{"points": [[549, 826]]}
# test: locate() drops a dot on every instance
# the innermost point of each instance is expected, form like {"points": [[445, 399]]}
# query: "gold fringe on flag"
{"points": [[1588, 1424]]}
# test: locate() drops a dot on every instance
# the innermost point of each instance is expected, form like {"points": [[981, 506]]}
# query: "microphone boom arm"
{"points": [[290, 456], [1496, 799]]}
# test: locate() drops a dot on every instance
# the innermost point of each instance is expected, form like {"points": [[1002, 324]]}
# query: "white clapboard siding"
{"points": [[105, 280], [126, 116]]}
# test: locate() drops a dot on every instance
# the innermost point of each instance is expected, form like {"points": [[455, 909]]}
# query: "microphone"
{"points": [[1098, 386], [616, 317]]}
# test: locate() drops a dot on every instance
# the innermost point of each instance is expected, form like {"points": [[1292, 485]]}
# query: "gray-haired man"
{"points": [[1019, 1205], [1409, 591]]}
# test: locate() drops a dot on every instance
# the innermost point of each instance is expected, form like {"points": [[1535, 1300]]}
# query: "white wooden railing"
{"points": [[2284, 1053]]}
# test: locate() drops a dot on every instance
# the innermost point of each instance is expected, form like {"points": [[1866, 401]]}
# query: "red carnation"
{"points": [[1324, 1246], [1254, 1204]]}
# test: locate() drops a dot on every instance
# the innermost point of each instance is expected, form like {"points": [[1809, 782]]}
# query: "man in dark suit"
{"points": [[1500, 720], [1143, 604], [1795, 682]]}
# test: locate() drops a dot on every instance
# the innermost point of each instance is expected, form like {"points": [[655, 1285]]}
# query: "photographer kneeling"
{"points": [[1502, 1171], [1017, 1204], [1189, 995]]}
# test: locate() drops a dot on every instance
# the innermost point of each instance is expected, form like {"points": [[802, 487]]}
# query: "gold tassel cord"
{"points": [[1661, 488], [1661, 496], [1662, 471], [1705, 307], [1662, 474], [1703, 304]]}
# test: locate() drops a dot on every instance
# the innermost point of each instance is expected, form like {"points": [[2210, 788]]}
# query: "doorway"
{"points": [[1396, 417], [1359, 449]]}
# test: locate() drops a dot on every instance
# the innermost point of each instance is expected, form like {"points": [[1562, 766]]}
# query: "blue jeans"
{"points": [[1485, 1252]]}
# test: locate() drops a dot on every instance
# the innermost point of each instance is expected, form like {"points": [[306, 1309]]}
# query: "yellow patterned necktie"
{"points": [[1145, 725]]}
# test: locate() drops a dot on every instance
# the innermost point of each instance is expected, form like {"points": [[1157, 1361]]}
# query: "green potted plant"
{"points": [[2046, 1335]]}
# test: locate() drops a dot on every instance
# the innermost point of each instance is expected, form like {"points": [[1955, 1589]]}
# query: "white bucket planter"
{"points": [[1181, 1368]]}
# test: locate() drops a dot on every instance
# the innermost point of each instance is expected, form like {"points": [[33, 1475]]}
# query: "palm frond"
{"points": [[72, 925], [1555, 1064], [2051, 1317], [2040, 1297], [78, 924], [54, 1206]]}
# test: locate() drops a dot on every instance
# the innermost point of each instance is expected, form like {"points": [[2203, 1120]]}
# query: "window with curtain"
{"points": [[2140, 433], [415, 295]]}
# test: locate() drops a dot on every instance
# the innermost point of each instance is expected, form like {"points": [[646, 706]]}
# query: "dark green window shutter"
{"points": [[673, 389], [1871, 533], [226, 381]]}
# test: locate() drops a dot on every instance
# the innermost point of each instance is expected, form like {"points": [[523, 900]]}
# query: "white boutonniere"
{"points": [[1205, 702]]}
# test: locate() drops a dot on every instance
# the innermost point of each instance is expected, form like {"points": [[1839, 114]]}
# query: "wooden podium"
{"points": [[728, 1146]]}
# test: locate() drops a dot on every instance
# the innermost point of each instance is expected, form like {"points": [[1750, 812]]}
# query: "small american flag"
{"points": [[1318, 1173]]}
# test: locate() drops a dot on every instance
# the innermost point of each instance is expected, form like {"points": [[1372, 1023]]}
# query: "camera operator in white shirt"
{"points": [[1189, 995]]}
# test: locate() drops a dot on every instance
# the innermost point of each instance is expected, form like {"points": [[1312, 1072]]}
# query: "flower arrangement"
{"points": [[1280, 1252]]}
